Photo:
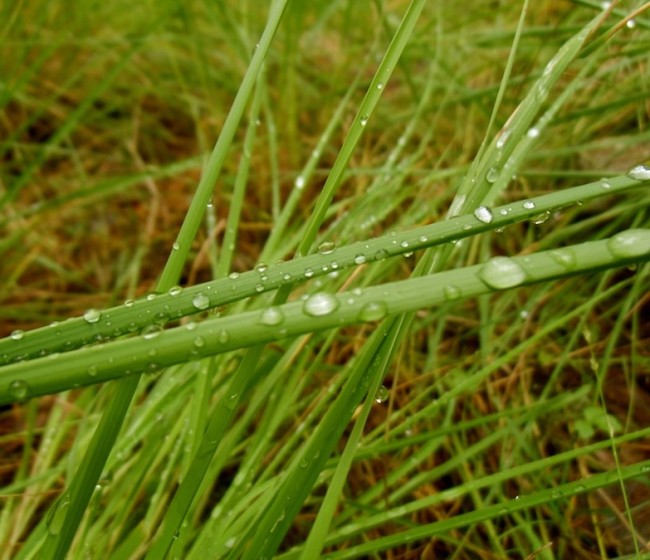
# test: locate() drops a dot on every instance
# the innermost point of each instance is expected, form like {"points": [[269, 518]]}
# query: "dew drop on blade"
{"points": [[630, 243], [320, 304], [501, 273]]}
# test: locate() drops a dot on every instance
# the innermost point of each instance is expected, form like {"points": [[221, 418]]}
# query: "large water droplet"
{"points": [[451, 292], [501, 273], [373, 311], [151, 331], [19, 389], [223, 336], [639, 173], [541, 218], [326, 248], [492, 175], [199, 342], [201, 301], [483, 214], [175, 291], [528, 204], [503, 138], [92, 316], [382, 394], [271, 316], [532, 132], [320, 304], [630, 243], [17, 334], [564, 257]]}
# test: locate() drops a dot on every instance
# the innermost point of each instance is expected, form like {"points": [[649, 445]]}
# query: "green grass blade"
{"points": [[153, 311], [321, 311]]}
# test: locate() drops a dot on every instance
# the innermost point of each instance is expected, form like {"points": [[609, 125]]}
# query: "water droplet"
{"points": [[320, 304], [363, 120], [373, 311], [380, 85], [555, 494], [151, 297], [630, 243], [532, 132], [541, 218], [176, 246], [259, 288], [271, 316], [92, 370], [528, 204], [456, 205], [223, 336], [92, 316], [452, 293], [492, 175], [503, 138], [175, 291], [17, 334], [56, 516], [645, 469], [326, 248], [299, 183], [308, 272], [382, 394], [639, 173], [604, 184], [564, 257], [233, 275], [19, 389], [502, 272], [201, 301], [199, 342], [483, 214], [151, 331], [129, 303], [630, 23], [261, 267]]}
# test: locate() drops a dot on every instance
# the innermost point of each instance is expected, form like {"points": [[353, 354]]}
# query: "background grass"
{"points": [[506, 425]]}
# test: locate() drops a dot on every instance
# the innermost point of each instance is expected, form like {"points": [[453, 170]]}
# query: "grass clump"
{"points": [[401, 313]]}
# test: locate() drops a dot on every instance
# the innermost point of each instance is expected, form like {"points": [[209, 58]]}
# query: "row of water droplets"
{"points": [[498, 273]]}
